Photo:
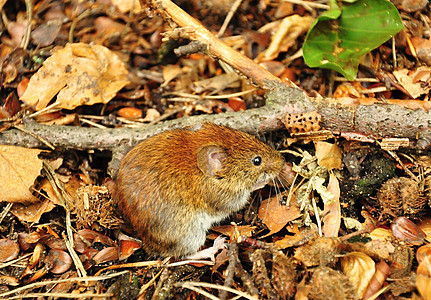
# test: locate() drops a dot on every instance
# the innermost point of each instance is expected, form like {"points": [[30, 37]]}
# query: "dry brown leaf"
{"points": [[152, 115], [328, 155], [127, 5], [378, 280], [81, 74], [275, 215], [229, 230], [170, 72], [306, 234], [219, 82], [359, 268], [415, 82], [332, 211], [19, 168], [31, 213], [8, 250], [288, 31]]}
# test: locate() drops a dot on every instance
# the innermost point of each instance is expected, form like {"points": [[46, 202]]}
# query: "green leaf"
{"points": [[341, 36]]}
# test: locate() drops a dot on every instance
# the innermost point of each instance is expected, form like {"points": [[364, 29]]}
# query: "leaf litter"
{"points": [[294, 244]]}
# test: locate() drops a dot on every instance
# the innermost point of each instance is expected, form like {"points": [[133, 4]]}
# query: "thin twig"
{"points": [[12, 262], [215, 97], [407, 170], [202, 292], [230, 270], [6, 209], [141, 264], [308, 4], [228, 18], [43, 283], [26, 38], [64, 295], [149, 283], [189, 284]]}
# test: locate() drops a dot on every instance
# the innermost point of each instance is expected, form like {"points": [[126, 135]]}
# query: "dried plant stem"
{"points": [[44, 283]]}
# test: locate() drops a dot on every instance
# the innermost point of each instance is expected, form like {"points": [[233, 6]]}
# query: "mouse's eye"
{"points": [[257, 160]]}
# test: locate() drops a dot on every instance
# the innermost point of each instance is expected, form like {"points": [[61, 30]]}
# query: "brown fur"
{"points": [[168, 199]]}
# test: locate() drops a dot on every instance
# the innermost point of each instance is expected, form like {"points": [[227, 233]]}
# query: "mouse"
{"points": [[172, 187]]}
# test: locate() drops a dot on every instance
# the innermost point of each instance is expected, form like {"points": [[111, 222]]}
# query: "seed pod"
{"points": [[401, 196]]}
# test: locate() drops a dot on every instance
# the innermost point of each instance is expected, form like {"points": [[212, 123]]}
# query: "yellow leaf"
{"points": [[328, 155], [81, 74], [359, 268], [19, 168]]}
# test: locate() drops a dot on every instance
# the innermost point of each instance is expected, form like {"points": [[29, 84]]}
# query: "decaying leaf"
{"points": [[81, 74], [19, 168]]}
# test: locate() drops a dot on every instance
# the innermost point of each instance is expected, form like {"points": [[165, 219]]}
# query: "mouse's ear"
{"points": [[210, 159]]}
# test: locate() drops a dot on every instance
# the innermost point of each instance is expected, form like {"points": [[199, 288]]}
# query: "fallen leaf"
{"points": [[218, 83], [276, 215], [170, 72], [127, 5], [45, 34], [378, 280], [229, 230], [19, 168], [8, 250], [152, 115], [410, 81], [81, 74], [359, 268], [289, 30], [58, 261], [2, 2], [332, 210], [328, 155], [31, 213], [423, 284]]}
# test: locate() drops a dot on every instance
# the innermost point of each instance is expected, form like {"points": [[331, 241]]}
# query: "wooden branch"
{"points": [[215, 47], [377, 121]]}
